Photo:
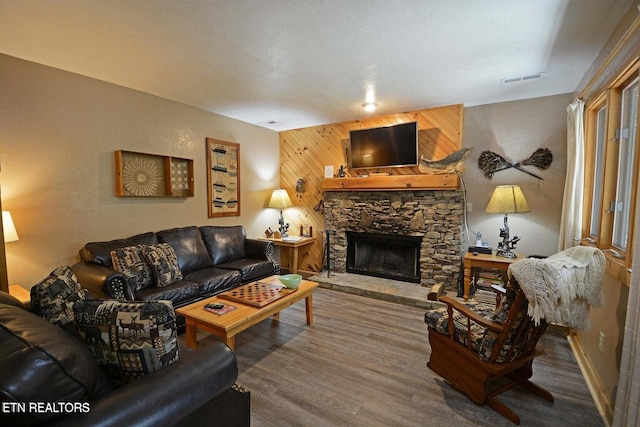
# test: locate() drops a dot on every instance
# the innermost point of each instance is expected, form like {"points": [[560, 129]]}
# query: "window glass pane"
{"points": [[601, 119], [625, 165]]}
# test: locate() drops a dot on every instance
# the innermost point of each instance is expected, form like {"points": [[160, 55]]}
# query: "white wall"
{"points": [[58, 134], [515, 130]]}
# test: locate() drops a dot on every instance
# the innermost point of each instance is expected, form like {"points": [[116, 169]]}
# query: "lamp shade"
{"points": [[507, 199], [280, 199], [10, 233]]}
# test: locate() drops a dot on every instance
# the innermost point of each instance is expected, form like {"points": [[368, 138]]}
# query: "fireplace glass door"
{"points": [[384, 255]]}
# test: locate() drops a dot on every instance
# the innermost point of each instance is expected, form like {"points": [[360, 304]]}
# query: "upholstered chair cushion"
{"points": [[39, 362], [179, 293], [250, 269], [53, 297], [148, 239], [100, 252], [130, 262], [437, 318], [225, 243], [189, 248], [129, 339], [502, 311], [163, 263], [213, 280]]}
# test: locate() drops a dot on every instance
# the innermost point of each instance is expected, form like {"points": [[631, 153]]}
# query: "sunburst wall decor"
{"points": [[140, 177]]}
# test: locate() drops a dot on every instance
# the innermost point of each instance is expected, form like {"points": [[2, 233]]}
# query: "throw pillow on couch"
{"points": [[130, 262], [54, 296], [146, 264], [129, 339], [163, 262]]}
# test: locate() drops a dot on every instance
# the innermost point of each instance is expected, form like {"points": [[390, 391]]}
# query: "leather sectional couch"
{"points": [[49, 377], [212, 259]]}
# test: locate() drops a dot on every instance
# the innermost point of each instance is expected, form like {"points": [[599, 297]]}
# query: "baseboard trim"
{"points": [[605, 408]]}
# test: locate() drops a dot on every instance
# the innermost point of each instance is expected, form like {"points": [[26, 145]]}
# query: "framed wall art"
{"points": [[223, 178], [151, 175]]}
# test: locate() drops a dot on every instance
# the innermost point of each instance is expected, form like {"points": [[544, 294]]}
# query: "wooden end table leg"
{"points": [[191, 336], [308, 305], [467, 281], [294, 263]]}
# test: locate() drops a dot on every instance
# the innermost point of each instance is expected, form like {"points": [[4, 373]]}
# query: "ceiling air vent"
{"points": [[521, 78]]}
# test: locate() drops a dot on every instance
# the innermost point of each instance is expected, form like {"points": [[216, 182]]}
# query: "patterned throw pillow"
{"points": [[53, 297], [130, 262], [129, 339], [163, 262]]}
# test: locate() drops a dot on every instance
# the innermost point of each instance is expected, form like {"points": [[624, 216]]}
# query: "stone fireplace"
{"points": [[433, 218]]}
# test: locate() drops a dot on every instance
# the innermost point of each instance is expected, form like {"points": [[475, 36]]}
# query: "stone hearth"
{"points": [[376, 287], [435, 215]]}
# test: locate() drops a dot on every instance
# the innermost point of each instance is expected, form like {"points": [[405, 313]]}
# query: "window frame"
{"points": [[619, 262]]}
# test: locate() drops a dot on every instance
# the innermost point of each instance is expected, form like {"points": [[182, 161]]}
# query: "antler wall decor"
{"points": [[490, 162]]}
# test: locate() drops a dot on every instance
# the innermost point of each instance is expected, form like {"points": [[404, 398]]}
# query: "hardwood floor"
{"points": [[364, 363]]}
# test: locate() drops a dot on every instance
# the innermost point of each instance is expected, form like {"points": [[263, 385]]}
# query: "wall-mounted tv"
{"points": [[384, 147]]}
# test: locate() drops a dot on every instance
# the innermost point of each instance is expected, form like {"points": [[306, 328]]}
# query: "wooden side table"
{"points": [[292, 247], [472, 261], [21, 294]]}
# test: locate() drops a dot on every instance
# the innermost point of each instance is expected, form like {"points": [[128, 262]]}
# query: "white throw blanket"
{"points": [[563, 287]]}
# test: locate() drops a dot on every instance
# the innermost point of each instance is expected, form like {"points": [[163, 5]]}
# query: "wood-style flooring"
{"points": [[364, 363]]}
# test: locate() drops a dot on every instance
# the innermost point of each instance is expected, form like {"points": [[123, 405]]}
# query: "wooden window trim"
{"points": [[611, 98], [590, 134]]}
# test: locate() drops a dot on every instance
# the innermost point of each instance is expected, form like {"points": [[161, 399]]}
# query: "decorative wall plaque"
{"points": [[223, 178], [150, 175]]}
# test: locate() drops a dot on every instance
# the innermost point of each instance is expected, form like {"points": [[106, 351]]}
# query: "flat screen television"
{"points": [[384, 147]]}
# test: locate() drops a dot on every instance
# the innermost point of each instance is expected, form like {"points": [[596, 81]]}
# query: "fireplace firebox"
{"points": [[384, 255]]}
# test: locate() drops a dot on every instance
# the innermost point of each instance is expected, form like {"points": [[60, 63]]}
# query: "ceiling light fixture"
{"points": [[369, 106]]}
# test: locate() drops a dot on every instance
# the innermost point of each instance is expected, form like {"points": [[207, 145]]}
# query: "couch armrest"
{"points": [[167, 396], [259, 249], [262, 249], [103, 282]]}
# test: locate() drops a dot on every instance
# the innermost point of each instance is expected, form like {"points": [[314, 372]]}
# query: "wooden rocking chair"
{"points": [[483, 356]]}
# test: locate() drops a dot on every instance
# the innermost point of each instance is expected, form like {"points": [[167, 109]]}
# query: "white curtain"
{"points": [[571, 220], [627, 411]]}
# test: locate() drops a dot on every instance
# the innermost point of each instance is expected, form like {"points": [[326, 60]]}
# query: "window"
{"points": [[612, 168], [626, 137], [601, 121]]}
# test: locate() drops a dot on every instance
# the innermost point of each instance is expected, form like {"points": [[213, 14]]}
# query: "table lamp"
{"points": [[280, 200], [10, 233], [507, 199]]}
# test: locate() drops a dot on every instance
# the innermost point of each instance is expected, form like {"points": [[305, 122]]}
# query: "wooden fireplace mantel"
{"points": [[447, 181]]}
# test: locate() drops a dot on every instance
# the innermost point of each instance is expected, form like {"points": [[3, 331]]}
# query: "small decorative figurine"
{"points": [[508, 244], [268, 232], [453, 163]]}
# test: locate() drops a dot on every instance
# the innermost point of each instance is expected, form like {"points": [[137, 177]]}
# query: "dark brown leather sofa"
{"points": [[48, 377], [212, 259]]}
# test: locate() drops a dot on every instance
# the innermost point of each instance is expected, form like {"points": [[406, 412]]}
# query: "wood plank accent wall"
{"points": [[305, 152]]}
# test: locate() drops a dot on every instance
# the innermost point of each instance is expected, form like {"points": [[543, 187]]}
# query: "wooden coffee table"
{"points": [[228, 325]]}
